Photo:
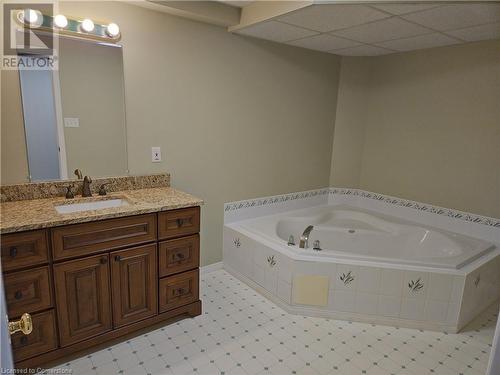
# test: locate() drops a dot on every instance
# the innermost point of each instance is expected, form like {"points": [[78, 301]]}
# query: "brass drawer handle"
{"points": [[18, 295], [24, 325], [180, 222], [13, 251]]}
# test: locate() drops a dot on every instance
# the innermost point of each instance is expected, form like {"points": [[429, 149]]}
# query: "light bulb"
{"points": [[113, 30], [60, 21], [32, 17], [87, 25]]}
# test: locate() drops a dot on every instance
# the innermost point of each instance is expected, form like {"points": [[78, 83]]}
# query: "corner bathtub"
{"points": [[372, 267], [352, 233]]}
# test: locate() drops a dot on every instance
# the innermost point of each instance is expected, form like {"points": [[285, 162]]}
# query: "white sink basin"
{"points": [[90, 206]]}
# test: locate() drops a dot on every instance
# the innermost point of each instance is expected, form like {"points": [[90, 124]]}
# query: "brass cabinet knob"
{"points": [[24, 325]]}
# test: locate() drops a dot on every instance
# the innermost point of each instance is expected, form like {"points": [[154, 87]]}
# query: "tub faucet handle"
{"points": [[316, 246], [291, 241]]}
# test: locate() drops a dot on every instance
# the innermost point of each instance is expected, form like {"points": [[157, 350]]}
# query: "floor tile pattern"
{"points": [[241, 332]]}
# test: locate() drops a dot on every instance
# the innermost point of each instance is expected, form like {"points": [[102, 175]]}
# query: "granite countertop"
{"points": [[41, 213]]}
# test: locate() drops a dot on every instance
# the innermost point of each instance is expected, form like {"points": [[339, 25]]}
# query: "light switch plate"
{"points": [[71, 122], [155, 154]]}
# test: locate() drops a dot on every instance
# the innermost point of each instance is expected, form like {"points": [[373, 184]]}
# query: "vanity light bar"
{"points": [[62, 24]]}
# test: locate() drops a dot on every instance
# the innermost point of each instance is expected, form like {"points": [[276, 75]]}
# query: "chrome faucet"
{"points": [[86, 192], [304, 239]]}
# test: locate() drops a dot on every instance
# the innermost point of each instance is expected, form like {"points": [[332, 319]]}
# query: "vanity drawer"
{"points": [[90, 238], [178, 223], [28, 291], [179, 290], [24, 249], [41, 340], [179, 255]]}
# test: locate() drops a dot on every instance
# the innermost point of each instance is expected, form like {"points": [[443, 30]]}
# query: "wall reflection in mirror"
{"points": [[53, 122]]}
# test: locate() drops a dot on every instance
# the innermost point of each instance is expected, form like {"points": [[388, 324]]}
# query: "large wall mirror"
{"points": [[55, 121]]}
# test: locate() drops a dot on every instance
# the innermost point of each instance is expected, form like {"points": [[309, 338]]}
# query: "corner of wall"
{"points": [[350, 122]]}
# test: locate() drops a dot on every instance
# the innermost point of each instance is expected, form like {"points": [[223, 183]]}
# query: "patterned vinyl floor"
{"points": [[241, 332]]}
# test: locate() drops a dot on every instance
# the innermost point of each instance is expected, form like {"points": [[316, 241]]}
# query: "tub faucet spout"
{"points": [[304, 239]]}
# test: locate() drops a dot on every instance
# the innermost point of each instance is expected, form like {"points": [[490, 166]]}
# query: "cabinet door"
{"points": [[83, 298], [134, 282]]}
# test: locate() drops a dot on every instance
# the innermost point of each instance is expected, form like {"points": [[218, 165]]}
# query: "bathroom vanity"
{"points": [[91, 276]]}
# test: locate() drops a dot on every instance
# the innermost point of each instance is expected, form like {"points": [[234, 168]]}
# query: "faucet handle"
{"points": [[78, 174], [69, 192], [102, 189], [316, 246], [291, 241]]}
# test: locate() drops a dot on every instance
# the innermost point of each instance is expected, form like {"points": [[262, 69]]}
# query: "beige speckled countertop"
{"points": [[23, 215]]}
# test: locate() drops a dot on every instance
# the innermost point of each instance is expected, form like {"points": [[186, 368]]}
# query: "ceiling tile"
{"points": [[476, 33], [332, 17], [419, 42], [363, 50], [276, 31], [380, 31], [456, 16], [323, 42], [404, 8]]}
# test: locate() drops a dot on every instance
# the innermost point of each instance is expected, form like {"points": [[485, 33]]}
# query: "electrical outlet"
{"points": [[155, 154]]}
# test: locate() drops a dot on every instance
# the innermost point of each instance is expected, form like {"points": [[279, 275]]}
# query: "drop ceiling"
{"points": [[379, 29], [236, 3]]}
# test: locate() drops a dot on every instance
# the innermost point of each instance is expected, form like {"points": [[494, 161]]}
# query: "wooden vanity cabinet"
{"points": [[85, 284]]}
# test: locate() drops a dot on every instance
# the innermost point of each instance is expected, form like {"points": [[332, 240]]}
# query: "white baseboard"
{"points": [[211, 268]]}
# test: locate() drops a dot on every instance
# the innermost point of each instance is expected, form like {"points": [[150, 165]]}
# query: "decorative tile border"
{"points": [[258, 202], [51, 189], [277, 199], [455, 214]]}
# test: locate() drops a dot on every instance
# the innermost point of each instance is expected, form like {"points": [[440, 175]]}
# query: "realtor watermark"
{"points": [[29, 42]]}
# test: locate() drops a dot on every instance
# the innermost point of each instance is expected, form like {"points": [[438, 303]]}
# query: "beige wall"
{"points": [[432, 126], [236, 118], [350, 122]]}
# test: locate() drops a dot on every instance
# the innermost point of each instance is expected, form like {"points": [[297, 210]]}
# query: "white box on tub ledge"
{"points": [[418, 294]]}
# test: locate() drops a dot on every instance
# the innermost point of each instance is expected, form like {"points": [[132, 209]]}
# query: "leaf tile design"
{"points": [[416, 286], [271, 261], [347, 278]]}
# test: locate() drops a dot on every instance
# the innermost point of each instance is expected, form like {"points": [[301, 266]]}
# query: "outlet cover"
{"points": [[155, 154], [71, 122]]}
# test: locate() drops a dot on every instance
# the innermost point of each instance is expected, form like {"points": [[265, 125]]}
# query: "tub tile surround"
{"points": [[424, 298]]}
